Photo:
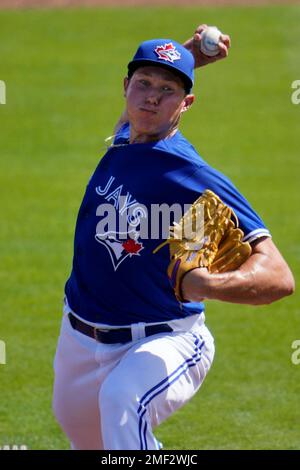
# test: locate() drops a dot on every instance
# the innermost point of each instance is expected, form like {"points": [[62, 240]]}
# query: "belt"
{"points": [[117, 335]]}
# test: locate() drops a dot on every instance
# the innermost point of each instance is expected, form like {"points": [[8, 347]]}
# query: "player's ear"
{"points": [[125, 84], [187, 102]]}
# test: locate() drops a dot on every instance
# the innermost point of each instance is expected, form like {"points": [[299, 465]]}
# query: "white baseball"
{"points": [[209, 41]]}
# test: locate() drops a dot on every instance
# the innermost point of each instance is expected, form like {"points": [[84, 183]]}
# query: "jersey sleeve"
{"points": [[249, 221]]}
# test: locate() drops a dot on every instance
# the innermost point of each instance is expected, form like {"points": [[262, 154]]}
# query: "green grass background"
{"points": [[63, 71]]}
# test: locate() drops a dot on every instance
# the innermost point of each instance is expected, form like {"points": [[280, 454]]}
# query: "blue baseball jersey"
{"points": [[116, 279]]}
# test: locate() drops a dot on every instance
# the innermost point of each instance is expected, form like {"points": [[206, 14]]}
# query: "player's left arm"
{"points": [[193, 45], [264, 278]]}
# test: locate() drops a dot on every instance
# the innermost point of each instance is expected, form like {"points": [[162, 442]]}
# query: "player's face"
{"points": [[155, 101]]}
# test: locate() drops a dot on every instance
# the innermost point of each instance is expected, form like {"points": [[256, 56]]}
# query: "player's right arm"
{"points": [[193, 45]]}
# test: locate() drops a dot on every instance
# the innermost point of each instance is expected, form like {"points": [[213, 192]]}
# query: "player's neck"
{"points": [[136, 138]]}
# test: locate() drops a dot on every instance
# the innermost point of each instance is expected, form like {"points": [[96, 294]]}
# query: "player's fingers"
{"points": [[223, 50], [197, 38], [226, 40], [201, 28]]}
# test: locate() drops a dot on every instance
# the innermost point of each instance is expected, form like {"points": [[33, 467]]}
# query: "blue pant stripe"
{"points": [[163, 385], [174, 372]]}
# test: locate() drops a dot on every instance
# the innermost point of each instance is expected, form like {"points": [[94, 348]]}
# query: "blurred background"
{"points": [[63, 69]]}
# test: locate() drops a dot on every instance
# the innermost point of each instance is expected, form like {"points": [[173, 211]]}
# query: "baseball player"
{"points": [[132, 350]]}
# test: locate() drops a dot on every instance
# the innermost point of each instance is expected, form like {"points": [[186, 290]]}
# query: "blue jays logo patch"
{"points": [[118, 248], [120, 217], [168, 52]]}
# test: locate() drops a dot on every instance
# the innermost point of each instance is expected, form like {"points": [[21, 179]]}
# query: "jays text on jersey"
{"points": [[116, 279]]}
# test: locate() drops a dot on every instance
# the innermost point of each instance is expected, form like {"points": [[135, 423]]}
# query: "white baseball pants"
{"points": [[112, 396]]}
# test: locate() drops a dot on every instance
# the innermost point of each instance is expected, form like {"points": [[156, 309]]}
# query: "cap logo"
{"points": [[167, 52]]}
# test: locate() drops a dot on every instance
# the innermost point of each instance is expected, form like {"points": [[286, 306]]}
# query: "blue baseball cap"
{"points": [[168, 54]]}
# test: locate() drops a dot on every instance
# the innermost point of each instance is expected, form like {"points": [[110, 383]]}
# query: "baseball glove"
{"points": [[206, 236]]}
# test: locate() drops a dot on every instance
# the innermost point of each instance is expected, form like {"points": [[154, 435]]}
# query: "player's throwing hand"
{"points": [[193, 45]]}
